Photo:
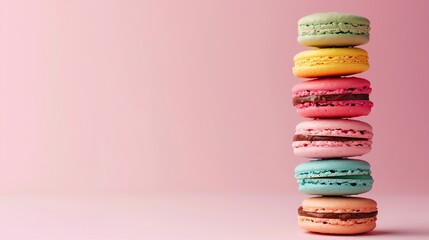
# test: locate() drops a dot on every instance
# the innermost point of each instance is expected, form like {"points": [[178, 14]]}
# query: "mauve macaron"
{"points": [[341, 97], [332, 138]]}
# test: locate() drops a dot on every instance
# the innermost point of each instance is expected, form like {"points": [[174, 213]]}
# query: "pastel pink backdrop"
{"points": [[190, 96]]}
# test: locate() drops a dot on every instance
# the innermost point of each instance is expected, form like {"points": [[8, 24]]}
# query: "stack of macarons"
{"points": [[331, 139]]}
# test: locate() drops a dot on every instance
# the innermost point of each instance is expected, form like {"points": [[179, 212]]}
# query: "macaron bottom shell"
{"points": [[336, 186], [335, 110], [330, 40], [346, 150], [329, 70], [336, 226]]}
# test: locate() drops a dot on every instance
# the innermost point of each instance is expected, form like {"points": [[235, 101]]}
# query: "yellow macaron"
{"points": [[328, 62]]}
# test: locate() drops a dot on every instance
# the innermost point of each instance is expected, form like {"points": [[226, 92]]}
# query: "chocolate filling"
{"points": [[341, 216], [326, 98], [300, 137]]}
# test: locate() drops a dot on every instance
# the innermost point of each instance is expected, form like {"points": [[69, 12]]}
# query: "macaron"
{"points": [[327, 62], [338, 215], [333, 29], [332, 97], [333, 177], [332, 138]]}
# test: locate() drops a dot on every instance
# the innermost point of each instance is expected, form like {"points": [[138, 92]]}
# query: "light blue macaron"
{"points": [[334, 177]]}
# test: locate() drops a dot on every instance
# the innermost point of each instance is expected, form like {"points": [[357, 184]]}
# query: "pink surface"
{"points": [[190, 96], [189, 217]]}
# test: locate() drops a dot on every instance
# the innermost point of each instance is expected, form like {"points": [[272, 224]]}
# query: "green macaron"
{"points": [[334, 177], [332, 29]]}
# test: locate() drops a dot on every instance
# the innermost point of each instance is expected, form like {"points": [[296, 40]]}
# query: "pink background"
{"points": [[190, 96], [165, 119]]}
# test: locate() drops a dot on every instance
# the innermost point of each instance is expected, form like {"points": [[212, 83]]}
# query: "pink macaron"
{"points": [[338, 215], [332, 138], [341, 97]]}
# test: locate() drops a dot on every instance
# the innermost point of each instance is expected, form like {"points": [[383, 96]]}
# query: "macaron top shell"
{"points": [[344, 84], [332, 168], [329, 17], [339, 204]]}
